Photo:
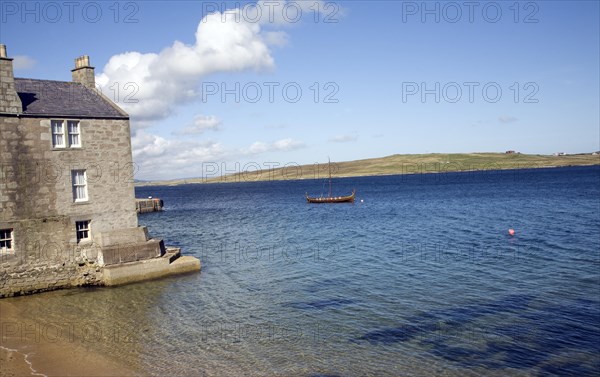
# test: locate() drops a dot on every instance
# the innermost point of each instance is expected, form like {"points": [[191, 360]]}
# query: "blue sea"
{"points": [[418, 277]]}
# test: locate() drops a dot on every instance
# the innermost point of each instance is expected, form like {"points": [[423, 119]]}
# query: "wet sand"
{"points": [[13, 364], [26, 349]]}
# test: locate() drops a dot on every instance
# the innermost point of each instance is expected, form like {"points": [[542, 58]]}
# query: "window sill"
{"points": [[82, 202]]}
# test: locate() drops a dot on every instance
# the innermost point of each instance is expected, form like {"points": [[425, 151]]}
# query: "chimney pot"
{"points": [[82, 61], [3, 51]]}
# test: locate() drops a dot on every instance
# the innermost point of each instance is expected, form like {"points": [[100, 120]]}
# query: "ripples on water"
{"points": [[421, 278]]}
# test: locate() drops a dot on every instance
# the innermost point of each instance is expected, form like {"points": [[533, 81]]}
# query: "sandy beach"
{"points": [[27, 348], [13, 364]]}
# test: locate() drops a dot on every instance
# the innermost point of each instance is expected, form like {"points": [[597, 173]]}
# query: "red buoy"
{"points": [[511, 232]]}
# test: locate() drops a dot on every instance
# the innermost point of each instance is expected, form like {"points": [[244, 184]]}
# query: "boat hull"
{"points": [[332, 199]]}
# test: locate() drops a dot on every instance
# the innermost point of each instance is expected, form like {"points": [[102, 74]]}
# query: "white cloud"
{"points": [[507, 119], [224, 42], [159, 158], [276, 38], [22, 62], [146, 145], [288, 145], [283, 145], [258, 147], [172, 76], [201, 124], [343, 138]]}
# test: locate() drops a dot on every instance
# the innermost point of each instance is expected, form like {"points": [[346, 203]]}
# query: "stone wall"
{"points": [[36, 201], [40, 269], [35, 179], [85, 76], [9, 100]]}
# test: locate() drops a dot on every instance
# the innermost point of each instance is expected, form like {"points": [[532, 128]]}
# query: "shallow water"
{"points": [[420, 278]]}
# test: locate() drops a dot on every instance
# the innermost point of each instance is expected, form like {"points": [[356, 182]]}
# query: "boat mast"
{"points": [[329, 165]]}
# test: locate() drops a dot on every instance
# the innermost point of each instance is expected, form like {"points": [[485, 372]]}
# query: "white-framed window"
{"points": [[83, 230], [74, 137], [58, 134], [66, 138], [79, 179], [6, 240]]}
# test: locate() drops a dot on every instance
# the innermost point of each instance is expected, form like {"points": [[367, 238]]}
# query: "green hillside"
{"points": [[400, 164]]}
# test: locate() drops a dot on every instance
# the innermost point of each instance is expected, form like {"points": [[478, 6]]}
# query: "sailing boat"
{"points": [[330, 198]]}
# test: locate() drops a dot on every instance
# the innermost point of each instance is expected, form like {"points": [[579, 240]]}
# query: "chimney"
{"points": [[83, 72], [10, 103]]}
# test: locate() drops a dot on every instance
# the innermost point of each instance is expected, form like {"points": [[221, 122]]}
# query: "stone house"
{"points": [[67, 200]]}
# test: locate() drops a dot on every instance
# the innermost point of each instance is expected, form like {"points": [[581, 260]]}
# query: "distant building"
{"points": [[510, 152], [559, 154], [67, 202]]}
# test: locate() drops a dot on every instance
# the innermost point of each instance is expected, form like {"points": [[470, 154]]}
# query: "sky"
{"points": [[217, 87]]}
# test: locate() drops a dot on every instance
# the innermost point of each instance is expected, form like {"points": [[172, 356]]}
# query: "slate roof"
{"points": [[63, 99]]}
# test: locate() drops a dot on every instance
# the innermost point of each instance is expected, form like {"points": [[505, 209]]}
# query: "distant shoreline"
{"points": [[434, 163]]}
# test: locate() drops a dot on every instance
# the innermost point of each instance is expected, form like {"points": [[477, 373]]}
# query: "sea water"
{"points": [[417, 277]]}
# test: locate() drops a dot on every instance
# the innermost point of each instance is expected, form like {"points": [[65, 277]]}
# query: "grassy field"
{"points": [[399, 164]]}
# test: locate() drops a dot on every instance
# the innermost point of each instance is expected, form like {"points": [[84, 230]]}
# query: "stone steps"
{"points": [[171, 263], [172, 254]]}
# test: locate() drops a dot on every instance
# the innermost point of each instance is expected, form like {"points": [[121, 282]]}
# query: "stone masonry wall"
{"points": [[9, 100], [36, 201], [35, 179], [43, 261]]}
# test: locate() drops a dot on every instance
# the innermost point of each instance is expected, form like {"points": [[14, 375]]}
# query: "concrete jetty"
{"points": [[148, 205], [170, 263]]}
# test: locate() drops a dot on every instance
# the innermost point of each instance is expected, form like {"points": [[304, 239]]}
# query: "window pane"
{"points": [[57, 133], [6, 239], [83, 231], [80, 192], [73, 127], [73, 139], [79, 185], [79, 178], [57, 126]]}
